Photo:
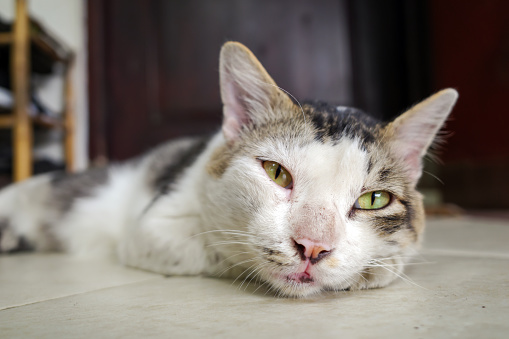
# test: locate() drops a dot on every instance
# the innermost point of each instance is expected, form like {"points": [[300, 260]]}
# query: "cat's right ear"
{"points": [[247, 90], [412, 133]]}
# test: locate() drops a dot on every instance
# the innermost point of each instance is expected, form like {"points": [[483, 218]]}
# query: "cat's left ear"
{"points": [[413, 132], [247, 90]]}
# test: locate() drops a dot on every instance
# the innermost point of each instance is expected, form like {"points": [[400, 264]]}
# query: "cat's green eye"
{"points": [[278, 174], [373, 200]]}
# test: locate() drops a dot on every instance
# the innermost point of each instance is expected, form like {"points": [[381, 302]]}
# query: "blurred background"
{"points": [[145, 71]]}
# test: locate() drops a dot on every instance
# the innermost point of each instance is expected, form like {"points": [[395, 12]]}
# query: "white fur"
{"points": [[95, 224], [240, 223], [175, 235], [325, 177], [24, 205]]}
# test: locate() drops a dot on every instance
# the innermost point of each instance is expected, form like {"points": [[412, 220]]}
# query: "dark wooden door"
{"points": [[471, 53], [154, 64]]}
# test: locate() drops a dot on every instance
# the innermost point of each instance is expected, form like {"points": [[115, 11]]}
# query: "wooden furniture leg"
{"points": [[69, 125], [22, 131]]}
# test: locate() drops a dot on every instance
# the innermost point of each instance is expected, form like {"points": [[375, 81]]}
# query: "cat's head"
{"points": [[315, 197]]}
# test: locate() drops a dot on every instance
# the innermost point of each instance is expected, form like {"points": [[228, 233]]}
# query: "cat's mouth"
{"points": [[301, 278]]}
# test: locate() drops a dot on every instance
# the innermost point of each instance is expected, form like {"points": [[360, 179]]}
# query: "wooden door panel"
{"points": [[160, 74]]}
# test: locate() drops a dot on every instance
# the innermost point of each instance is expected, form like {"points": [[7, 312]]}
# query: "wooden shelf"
{"points": [[5, 38], [48, 43], [41, 38], [28, 37], [6, 121]]}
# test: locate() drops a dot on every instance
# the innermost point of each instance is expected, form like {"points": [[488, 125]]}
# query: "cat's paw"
{"points": [[379, 274], [11, 242]]}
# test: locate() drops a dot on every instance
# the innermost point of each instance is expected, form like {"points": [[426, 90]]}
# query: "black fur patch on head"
{"points": [[334, 122], [69, 187]]}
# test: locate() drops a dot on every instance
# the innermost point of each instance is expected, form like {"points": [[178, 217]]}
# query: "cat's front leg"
{"points": [[379, 273], [166, 245]]}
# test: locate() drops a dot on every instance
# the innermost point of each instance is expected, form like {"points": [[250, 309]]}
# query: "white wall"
{"points": [[67, 19]]}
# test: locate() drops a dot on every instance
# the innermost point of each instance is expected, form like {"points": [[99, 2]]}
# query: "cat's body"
{"points": [[217, 205]]}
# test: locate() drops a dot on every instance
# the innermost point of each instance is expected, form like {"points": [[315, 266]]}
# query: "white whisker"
{"points": [[231, 256], [290, 94], [222, 243], [243, 272], [257, 269], [434, 176], [235, 265], [228, 232]]}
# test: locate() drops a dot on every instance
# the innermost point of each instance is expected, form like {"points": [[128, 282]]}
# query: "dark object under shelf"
{"points": [[45, 51]]}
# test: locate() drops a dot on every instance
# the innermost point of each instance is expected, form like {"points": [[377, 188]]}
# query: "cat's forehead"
{"points": [[333, 123], [315, 123], [323, 172], [307, 148]]}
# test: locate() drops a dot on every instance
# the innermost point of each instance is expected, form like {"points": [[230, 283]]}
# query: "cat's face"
{"points": [[315, 197]]}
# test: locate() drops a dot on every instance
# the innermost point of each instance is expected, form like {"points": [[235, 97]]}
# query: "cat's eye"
{"points": [[278, 174], [373, 200]]}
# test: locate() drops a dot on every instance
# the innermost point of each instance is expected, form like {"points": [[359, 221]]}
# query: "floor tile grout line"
{"points": [[463, 253], [79, 293]]}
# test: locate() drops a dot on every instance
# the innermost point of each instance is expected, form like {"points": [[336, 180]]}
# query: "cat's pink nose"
{"points": [[311, 249]]}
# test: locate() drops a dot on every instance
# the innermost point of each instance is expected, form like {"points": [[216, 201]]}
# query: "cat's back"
{"points": [[102, 198]]}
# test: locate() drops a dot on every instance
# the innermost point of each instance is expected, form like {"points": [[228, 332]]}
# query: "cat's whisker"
{"points": [[390, 261], [433, 176], [401, 275], [223, 243], [272, 289], [235, 265], [401, 258], [402, 264], [417, 263], [243, 272], [260, 286], [406, 278], [290, 94], [257, 269], [259, 278], [232, 256], [248, 275], [228, 232], [361, 274]]}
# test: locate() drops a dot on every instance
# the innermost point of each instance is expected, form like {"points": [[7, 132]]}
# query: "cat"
{"points": [[302, 198]]}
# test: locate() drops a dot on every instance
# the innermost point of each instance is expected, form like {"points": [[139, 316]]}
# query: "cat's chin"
{"points": [[296, 289], [307, 284], [302, 278], [295, 285]]}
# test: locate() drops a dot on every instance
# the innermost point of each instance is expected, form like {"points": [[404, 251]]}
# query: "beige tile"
{"points": [[29, 278], [468, 236], [459, 289], [448, 303]]}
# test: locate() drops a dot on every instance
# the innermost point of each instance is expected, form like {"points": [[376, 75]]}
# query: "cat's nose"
{"points": [[313, 250]]}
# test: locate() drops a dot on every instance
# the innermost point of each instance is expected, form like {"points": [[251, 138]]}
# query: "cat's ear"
{"points": [[247, 90], [412, 133]]}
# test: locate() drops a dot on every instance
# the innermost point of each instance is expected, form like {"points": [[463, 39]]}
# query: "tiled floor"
{"points": [[459, 289]]}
